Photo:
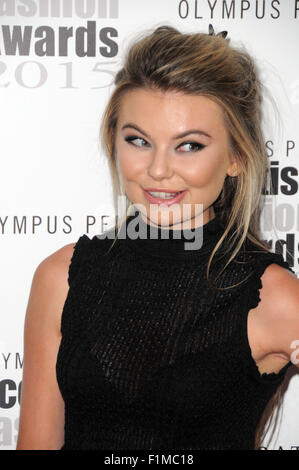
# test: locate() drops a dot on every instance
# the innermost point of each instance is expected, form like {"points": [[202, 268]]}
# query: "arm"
{"points": [[42, 406], [281, 317]]}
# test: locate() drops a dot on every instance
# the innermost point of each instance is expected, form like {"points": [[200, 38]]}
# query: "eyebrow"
{"points": [[179, 136]]}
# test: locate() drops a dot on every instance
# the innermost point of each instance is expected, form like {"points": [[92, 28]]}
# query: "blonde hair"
{"points": [[202, 64]]}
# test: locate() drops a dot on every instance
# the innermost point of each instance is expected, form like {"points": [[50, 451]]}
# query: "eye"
{"points": [[196, 146], [134, 138]]}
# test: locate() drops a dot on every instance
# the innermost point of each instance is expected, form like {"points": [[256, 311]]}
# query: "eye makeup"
{"points": [[198, 146]]}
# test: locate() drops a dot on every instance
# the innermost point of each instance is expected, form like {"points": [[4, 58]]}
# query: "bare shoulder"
{"points": [[274, 273], [54, 268], [279, 308], [280, 288], [50, 286], [58, 261]]}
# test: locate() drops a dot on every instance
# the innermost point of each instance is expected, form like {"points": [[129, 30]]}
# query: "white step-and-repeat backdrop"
{"points": [[57, 63]]}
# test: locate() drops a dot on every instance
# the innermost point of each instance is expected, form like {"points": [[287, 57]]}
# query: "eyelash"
{"points": [[130, 139]]}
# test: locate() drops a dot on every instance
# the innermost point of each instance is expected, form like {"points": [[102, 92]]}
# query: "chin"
{"points": [[165, 220]]}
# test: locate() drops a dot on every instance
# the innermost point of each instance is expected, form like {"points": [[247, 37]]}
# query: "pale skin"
{"points": [[152, 160]]}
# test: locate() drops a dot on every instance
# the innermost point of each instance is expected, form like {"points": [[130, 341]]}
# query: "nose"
{"points": [[160, 165]]}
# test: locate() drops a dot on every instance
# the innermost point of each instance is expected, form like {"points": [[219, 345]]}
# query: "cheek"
{"points": [[129, 165], [203, 171]]}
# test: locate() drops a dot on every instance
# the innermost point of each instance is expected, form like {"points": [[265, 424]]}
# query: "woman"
{"points": [[163, 347]]}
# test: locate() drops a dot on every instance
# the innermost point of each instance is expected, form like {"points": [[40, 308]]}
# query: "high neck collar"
{"points": [[184, 244]]}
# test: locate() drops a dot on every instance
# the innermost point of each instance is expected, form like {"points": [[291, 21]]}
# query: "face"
{"points": [[172, 142]]}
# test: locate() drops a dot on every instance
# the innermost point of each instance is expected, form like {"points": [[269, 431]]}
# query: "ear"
{"points": [[234, 168]]}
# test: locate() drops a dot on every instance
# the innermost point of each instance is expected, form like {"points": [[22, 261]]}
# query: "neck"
{"points": [[182, 243], [192, 223]]}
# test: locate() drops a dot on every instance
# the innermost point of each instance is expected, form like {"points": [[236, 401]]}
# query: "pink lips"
{"points": [[168, 202]]}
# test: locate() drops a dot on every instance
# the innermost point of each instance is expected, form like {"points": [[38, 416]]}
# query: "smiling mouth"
{"points": [[164, 194], [164, 197]]}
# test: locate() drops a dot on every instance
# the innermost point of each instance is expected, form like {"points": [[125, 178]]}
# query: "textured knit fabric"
{"points": [[152, 356]]}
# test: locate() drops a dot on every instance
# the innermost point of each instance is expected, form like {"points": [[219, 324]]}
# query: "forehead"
{"points": [[179, 110]]}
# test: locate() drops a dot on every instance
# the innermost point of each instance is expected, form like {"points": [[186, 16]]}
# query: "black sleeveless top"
{"points": [[152, 356]]}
